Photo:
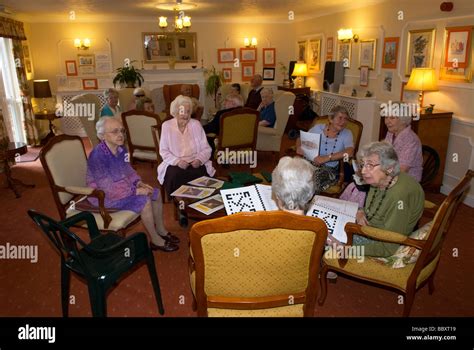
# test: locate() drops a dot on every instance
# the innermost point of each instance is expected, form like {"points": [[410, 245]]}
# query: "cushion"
{"points": [[406, 254]]}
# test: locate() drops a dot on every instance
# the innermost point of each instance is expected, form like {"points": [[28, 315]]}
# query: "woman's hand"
{"points": [[196, 163], [143, 191], [361, 219], [319, 160], [141, 184], [183, 165]]}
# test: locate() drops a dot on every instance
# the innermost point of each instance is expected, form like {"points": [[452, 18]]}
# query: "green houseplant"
{"points": [[213, 83], [128, 76]]}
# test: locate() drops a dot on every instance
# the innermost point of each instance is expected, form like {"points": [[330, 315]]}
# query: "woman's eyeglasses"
{"points": [[116, 131], [368, 166]]}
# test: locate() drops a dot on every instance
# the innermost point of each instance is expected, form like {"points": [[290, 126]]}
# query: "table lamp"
{"points": [[42, 90], [300, 71], [422, 79]]}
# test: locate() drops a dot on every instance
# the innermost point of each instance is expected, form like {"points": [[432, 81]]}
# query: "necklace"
{"points": [[326, 142], [369, 207]]}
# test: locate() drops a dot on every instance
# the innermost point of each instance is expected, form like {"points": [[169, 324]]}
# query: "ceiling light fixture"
{"points": [[181, 21]]}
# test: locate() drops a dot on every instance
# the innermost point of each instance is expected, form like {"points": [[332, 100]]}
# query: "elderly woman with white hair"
{"points": [[109, 170], [111, 108], [395, 199], [293, 184], [406, 143], [183, 147], [267, 108]]}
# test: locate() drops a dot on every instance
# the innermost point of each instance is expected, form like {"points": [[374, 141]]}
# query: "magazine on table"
{"points": [[205, 181], [209, 205], [336, 213], [193, 192], [310, 144], [250, 198]]}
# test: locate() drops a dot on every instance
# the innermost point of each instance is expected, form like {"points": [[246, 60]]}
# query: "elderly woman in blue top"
{"points": [[335, 144], [111, 108], [267, 108]]}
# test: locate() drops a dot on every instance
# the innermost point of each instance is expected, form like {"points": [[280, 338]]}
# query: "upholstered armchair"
{"points": [[256, 264], [269, 139], [415, 262], [88, 123]]}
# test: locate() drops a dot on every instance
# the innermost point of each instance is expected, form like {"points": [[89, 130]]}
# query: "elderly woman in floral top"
{"points": [[109, 170]]}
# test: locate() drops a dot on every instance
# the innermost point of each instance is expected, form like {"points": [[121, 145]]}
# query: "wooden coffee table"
{"points": [[182, 208]]}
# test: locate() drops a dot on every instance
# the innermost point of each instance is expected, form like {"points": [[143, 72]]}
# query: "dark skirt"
{"points": [[175, 177], [325, 177]]}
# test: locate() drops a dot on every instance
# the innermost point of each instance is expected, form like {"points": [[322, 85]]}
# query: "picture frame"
{"points": [[367, 53], [225, 55], [268, 73], [26, 50], [28, 66], [420, 49], [86, 70], [227, 74], [302, 51], [390, 52], [314, 55], [248, 71], [71, 68], [364, 76], [89, 84], [387, 81], [248, 54], [269, 57], [457, 61], [86, 60], [344, 51], [329, 48], [158, 47], [409, 96], [182, 43]]}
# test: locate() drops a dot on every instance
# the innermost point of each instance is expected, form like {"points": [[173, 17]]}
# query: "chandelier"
{"points": [[181, 21]]}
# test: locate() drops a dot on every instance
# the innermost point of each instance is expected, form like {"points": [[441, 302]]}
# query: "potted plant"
{"points": [[213, 83], [128, 76]]}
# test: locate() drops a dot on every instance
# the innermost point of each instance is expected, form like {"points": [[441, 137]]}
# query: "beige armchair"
{"points": [[269, 139], [88, 123]]}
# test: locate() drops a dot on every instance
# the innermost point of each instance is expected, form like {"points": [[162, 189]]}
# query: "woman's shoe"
{"points": [[167, 247], [169, 237]]}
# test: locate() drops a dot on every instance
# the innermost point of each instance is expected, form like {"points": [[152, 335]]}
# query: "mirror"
{"points": [[159, 47]]}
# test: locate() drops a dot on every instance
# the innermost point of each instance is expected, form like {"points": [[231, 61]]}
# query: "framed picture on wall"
{"points": [[367, 53], [71, 68], [248, 54], [329, 48], [225, 55], [420, 49], [458, 54], [269, 55], [344, 53], [89, 84], [248, 71], [268, 73], [227, 74], [85, 60], [390, 52], [314, 55], [364, 76], [302, 51]]}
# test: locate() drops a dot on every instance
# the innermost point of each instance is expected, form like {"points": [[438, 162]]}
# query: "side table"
{"points": [[50, 116], [14, 149]]}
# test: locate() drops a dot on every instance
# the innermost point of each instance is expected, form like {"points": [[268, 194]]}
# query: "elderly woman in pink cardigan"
{"points": [[183, 147]]}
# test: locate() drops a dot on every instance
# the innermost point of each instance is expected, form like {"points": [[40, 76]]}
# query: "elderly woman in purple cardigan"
{"points": [[109, 170]]}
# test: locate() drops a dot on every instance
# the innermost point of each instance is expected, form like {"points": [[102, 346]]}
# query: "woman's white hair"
{"points": [[178, 102], [387, 156], [110, 91], [100, 127], [293, 183]]}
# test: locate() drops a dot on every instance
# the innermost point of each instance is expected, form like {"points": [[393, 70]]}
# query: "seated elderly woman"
{"points": [[336, 143], [394, 202], [267, 108], [111, 108], [408, 146], [183, 147], [145, 104], [293, 184], [109, 170]]}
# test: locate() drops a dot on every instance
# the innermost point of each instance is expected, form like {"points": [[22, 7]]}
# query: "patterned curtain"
{"points": [[4, 140], [10, 28]]}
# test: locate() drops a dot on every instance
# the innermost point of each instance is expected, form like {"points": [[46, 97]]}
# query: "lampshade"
{"points": [[422, 79], [300, 70], [41, 88]]}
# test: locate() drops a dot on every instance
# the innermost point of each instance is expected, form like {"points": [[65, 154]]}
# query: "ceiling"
{"points": [[250, 11]]}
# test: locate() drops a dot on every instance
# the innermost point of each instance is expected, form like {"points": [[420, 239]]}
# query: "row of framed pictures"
{"points": [[247, 55], [100, 63], [248, 71]]}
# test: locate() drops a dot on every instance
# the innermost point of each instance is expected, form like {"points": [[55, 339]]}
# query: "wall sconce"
{"points": [[83, 44], [250, 43], [345, 35]]}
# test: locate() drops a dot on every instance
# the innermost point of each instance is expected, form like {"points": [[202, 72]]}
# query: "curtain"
{"points": [[4, 140], [14, 30]]}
